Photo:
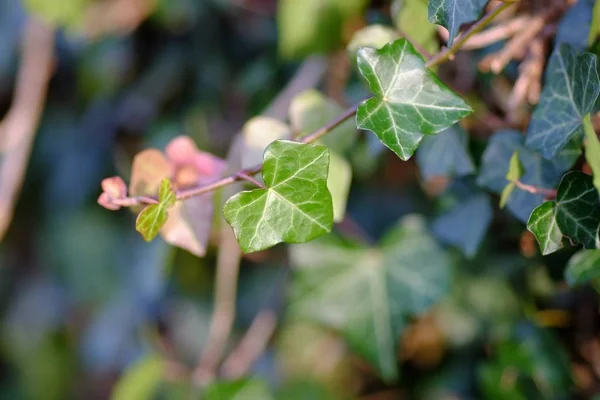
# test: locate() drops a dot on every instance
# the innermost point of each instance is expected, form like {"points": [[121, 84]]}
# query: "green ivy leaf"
{"points": [[571, 88], [592, 149], [409, 101], [542, 223], [153, 217], [445, 154], [578, 209], [241, 389], [366, 293], [538, 171], [515, 168], [295, 206], [583, 267], [451, 14], [141, 381]]}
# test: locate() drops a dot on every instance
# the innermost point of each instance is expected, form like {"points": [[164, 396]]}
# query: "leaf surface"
{"points": [[249, 389], [141, 381], [152, 218], [570, 91], [295, 206], [367, 293], [583, 267], [410, 100], [542, 223], [445, 154], [451, 14]]}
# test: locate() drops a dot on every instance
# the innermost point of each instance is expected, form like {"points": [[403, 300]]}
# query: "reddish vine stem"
{"points": [[549, 193], [247, 174]]}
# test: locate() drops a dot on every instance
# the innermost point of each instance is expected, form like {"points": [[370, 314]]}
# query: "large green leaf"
{"points": [[409, 101], [445, 154], [583, 267], [245, 389], [538, 171], [141, 381], [542, 223], [294, 207], [570, 90], [578, 209], [367, 293], [451, 14]]}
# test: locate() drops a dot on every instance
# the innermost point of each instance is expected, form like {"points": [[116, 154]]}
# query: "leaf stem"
{"points": [[448, 52], [549, 193], [250, 179]]}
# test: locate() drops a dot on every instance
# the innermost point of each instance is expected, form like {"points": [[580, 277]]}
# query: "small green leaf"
{"points": [[295, 206], [451, 14], [245, 389], [409, 101], [542, 223], [583, 267], [594, 32], [152, 218], [338, 183], [59, 12], [515, 168], [578, 209], [366, 293], [570, 90], [141, 381], [505, 196], [592, 149]]}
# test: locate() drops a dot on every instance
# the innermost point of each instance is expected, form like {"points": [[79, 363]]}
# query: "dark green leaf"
{"points": [[366, 294], [583, 267], [246, 389], [539, 172], [295, 206], [409, 101], [141, 381], [466, 224], [578, 209], [451, 14], [542, 223], [445, 154], [570, 90]]}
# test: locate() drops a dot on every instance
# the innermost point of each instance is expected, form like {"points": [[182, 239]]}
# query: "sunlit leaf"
{"points": [[59, 12], [445, 154], [295, 206], [152, 218], [538, 171], [243, 389], [542, 223], [141, 381], [367, 293], [583, 267], [409, 101], [570, 90], [338, 183], [578, 209], [451, 14]]}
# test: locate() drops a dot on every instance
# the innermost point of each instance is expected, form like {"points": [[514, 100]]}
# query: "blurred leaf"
{"points": [[445, 154], [338, 183], [141, 381], [592, 149], [515, 172], [59, 12], [481, 294], [366, 294], [558, 119], [583, 267], [114, 188], [412, 19], [578, 209], [451, 14], [243, 389], [313, 26], [257, 134], [295, 206], [153, 217], [147, 172], [539, 172], [506, 193], [311, 110], [374, 36], [594, 30], [466, 224], [409, 101], [304, 391], [542, 223], [578, 15]]}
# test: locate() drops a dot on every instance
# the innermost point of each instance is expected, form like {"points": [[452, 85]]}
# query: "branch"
{"points": [[549, 193]]}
